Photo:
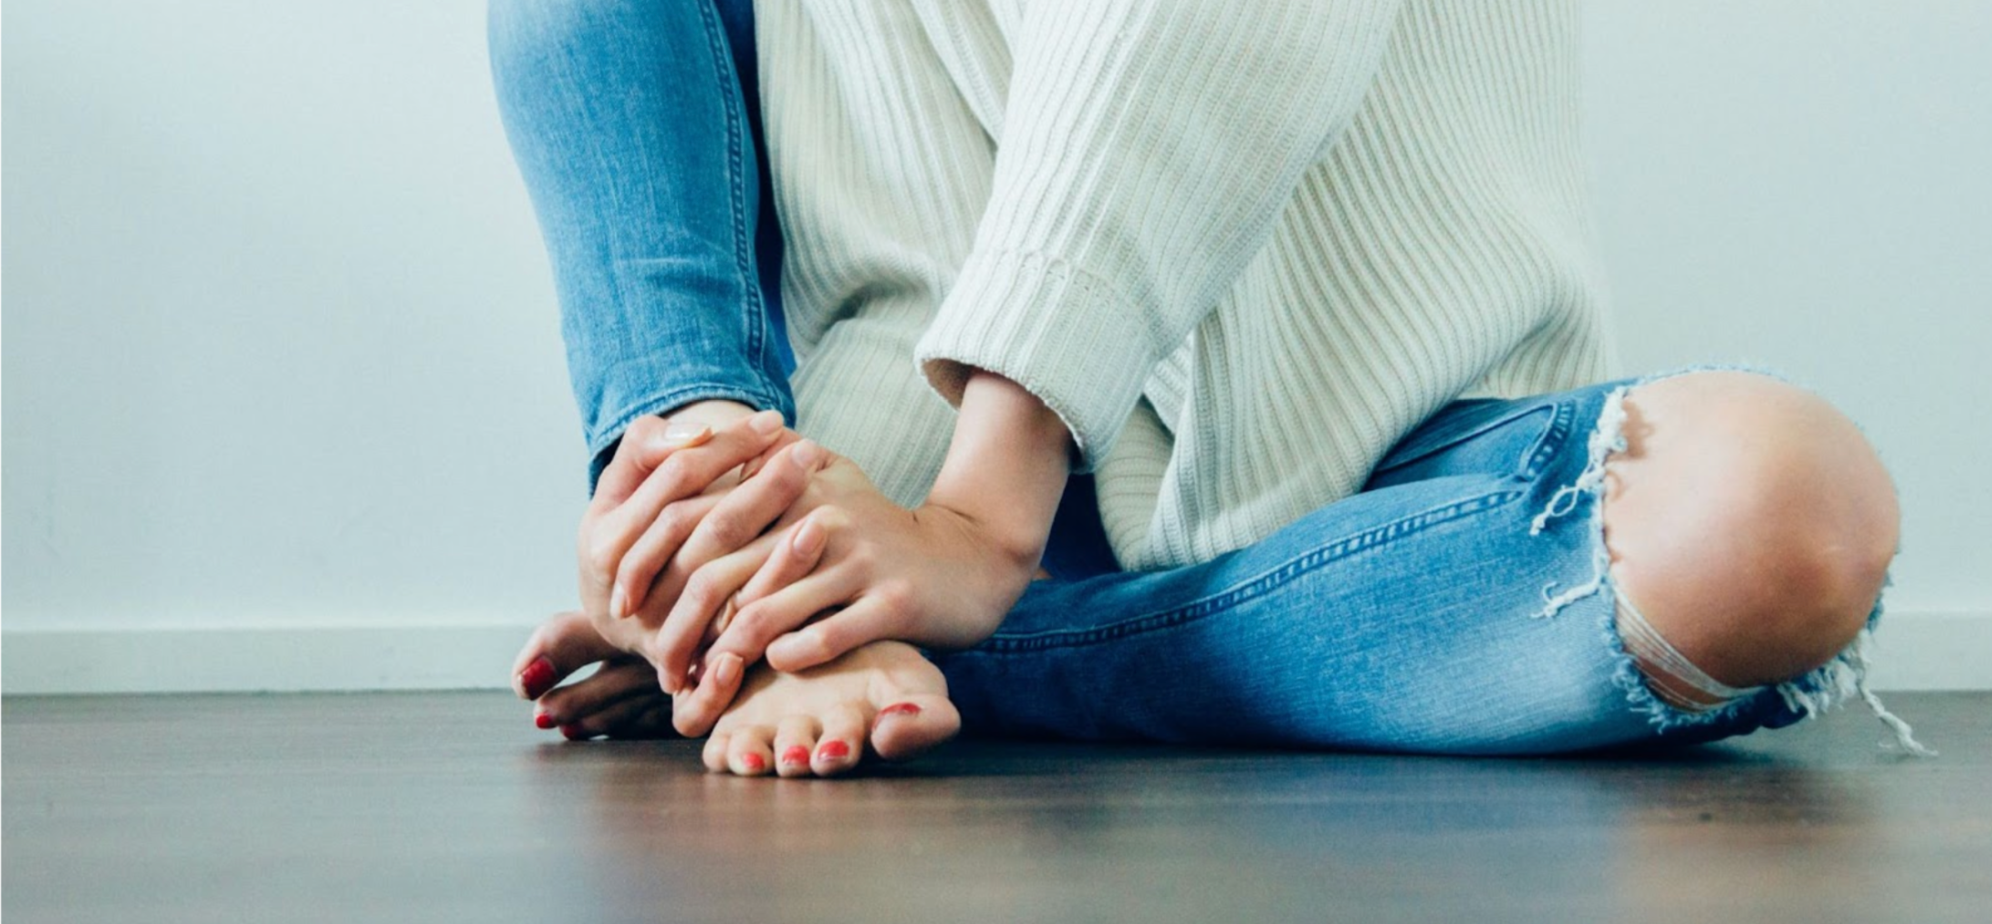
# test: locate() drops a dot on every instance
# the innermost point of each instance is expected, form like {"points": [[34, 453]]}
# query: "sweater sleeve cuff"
{"points": [[1065, 335]]}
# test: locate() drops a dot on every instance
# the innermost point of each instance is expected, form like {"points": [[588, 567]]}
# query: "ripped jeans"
{"points": [[1459, 604]]}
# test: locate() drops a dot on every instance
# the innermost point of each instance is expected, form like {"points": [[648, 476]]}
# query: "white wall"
{"points": [[280, 345], [283, 397]]}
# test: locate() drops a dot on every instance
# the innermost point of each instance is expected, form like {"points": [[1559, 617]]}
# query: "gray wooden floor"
{"points": [[450, 807]]}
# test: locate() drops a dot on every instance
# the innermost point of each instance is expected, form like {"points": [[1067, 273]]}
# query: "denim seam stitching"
{"points": [[1409, 453], [1253, 588], [1550, 444], [722, 56]]}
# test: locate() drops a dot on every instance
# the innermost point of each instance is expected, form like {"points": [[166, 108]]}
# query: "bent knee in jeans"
{"points": [[1746, 528]]}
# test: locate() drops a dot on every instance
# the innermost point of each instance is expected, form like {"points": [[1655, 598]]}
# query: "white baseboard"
{"points": [[260, 660], [1932, 651], [1914, 651]]}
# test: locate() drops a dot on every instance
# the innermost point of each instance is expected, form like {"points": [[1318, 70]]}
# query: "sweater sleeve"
{"points": [[1147, 151]]}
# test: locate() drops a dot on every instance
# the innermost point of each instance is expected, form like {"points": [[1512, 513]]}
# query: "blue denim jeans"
{"points": [[1458, 604], [634, 124], [1428, 613]]}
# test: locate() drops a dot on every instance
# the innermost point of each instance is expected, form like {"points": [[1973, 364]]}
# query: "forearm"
{"points": [[1006, 467], [1100, 250]]}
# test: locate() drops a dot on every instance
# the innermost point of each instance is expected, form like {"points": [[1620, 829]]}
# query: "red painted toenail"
{"points": [[907, 709], [833, 750], [796, 755], [537, 677], [753, 763], [544, 720]]}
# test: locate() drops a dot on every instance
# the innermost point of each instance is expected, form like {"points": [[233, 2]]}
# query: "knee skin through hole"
{"points": [[1750, 523]]}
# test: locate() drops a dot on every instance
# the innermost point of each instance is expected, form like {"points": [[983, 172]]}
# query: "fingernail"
{"points": [[796, 756], [544, 720], [574, 733], [753, 763], [833, 750], [726, 670], [794, 646], [537, 677], [808, 538], [807, 454], [617, 600], [906, 709], [683, 434], [766, 422]]}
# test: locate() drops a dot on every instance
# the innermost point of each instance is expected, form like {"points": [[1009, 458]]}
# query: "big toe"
{"points": [[908, 726], [563, 645]]}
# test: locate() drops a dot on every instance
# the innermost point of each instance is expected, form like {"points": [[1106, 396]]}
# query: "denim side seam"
{"points": [[600, 447], [1001, 644], [737, 180], [1811, 693]]}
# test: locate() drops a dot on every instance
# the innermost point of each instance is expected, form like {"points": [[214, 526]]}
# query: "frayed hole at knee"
{"points": [[1669, 674]]}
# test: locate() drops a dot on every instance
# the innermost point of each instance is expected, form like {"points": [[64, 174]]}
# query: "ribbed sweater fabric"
{"points": [[1241, 247]]}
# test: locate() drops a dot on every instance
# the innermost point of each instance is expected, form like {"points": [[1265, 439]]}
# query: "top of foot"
{"points": [[882, 701]]}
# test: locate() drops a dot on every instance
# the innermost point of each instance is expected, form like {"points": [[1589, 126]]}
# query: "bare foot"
{"points": [[620, 700], [883, 698]]}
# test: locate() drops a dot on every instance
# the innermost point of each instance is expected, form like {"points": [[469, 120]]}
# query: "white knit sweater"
{"points": [[1240, 247]]}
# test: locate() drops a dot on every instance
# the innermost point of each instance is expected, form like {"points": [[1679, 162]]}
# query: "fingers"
{"points": [[691, 470], [705, 595], [758, 624], [794, 557], [695, 709], [781, 442], [877, 615], [755, 505], [563, 645], [607, 534], [660, 540], [734, 520], [645, 443]]}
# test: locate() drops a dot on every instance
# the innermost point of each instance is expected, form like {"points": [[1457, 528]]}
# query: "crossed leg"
{"points": [[1749, 520]]}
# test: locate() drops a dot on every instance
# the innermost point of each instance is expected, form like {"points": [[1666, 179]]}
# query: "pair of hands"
{"points": [[718, 537]]}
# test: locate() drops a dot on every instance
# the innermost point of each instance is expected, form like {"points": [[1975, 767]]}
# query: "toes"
{"points": [[910, 725], [749, 753], [616, 683], [795, 740], [714, 754], [842, 743], [563, 645]]}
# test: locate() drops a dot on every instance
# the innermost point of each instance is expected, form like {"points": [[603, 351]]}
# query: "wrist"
{"points": [[1008, 550], [716, 413], [1006, 468]]}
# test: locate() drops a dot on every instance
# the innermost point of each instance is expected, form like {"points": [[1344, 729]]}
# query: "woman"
{"points": [[1307, 291]]}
